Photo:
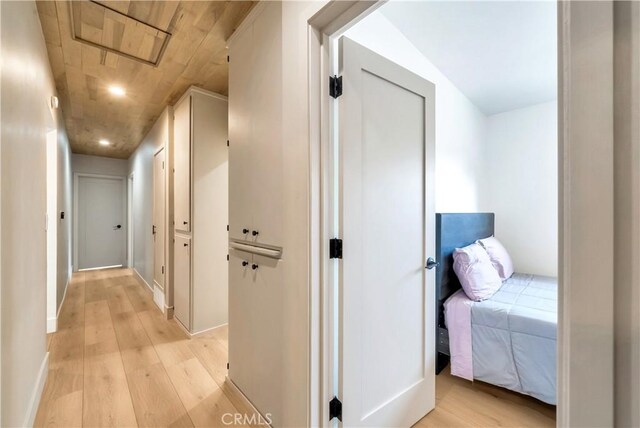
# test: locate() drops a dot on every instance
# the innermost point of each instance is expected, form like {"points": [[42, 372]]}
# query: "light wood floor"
{"points": [[460, 403], [116, 361]]}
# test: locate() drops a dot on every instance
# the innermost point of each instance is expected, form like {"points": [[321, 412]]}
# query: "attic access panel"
{"points": [[102, 27]]}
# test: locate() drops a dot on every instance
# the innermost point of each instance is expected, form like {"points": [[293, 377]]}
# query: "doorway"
{"points": [[386, 217], [100, 238]]}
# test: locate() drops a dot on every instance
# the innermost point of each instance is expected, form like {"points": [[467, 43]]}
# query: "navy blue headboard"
{"points": [[453, 231]]}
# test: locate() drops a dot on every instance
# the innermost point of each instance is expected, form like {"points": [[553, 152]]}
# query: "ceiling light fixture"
{"points": [[117, 90], [104, 142]]}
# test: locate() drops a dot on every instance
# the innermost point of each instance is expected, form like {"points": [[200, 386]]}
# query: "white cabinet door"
{"points": [[182, 165], [257, 330], [182, 280], [241, 72], [267, 147], [387, 217]]}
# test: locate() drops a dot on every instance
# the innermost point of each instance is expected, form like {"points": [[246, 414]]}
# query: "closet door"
{"points": [[182, 280], [182, 165], [241, 85], [267, 145], [257, 334]]}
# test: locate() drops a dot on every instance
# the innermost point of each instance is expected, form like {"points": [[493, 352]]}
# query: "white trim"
{"points": [[142, 279], [237, 395], [52, 227], [158, 296], [76, 177], [196, 90], [324, 27], [247, 22], [130, 221], [586, 214], [52, 323], [36, 395], [206, 330], [100, 267]]}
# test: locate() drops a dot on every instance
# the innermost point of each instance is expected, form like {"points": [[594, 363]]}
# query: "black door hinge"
{"points": [[227, 257], [335, 409], [227, 143], [227, 366], [163, 270], [335, 248], [227, 58], [335, 86]]}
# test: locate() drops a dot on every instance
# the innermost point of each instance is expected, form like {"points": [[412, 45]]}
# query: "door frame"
{"points": [[576, 209], [76, 179], [164, 226], [130, 221]]}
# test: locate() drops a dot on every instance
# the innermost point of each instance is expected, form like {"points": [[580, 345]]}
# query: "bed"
{"points": [[508, 340]]}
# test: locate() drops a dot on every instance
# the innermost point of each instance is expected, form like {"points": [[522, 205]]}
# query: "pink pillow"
{"points": [[499, 256], [478, 277]]}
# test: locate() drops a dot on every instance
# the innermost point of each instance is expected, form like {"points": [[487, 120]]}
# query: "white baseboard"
{"points": [[52, 323], [141, 278], [198, 333], [36, 395], [158, 296]]}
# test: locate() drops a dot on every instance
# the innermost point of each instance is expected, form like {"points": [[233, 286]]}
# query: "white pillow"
{"points": [[478, 277], [499, 256]]}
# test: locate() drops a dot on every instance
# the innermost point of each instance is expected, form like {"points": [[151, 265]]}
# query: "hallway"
{"points": [[116, 361]]}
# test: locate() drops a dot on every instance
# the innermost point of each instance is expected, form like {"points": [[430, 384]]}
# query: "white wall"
{"points": [[26, 85], [521, 158], [141, 165], [99, 165], [460, 126]]}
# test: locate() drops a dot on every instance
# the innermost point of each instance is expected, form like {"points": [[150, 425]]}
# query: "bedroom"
{"points": [[494, 69]]}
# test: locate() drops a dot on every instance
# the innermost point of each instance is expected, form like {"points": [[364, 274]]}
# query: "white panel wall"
{"points": [[26, 85], [141, 165], [460, 126], [521, 159]]}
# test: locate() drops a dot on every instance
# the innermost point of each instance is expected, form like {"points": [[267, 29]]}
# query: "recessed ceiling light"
{"points": [[104, 142], [117, 90]]}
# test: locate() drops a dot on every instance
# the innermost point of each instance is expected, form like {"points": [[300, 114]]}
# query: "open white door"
{"points": [[387, 219]]}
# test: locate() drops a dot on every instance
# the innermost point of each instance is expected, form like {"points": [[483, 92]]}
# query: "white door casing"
{"points": [[159, 227], [100, 220], [387, 219]]}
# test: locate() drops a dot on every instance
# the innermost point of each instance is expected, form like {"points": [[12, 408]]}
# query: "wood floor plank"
{"points": [[107, 399], [156, 402]]}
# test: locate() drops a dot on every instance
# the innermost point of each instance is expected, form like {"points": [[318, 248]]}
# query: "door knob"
{"points": [[431, 263], [255, 233], [245, 263], [254, 267], [245, 231], [118, 226]]}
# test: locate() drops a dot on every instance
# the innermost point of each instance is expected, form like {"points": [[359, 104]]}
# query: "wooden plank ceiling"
{"points": [[95, 45]]}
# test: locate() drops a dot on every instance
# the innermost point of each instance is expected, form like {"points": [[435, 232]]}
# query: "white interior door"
{"points": [[158, 219], [101, 214], [387, 218]]}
